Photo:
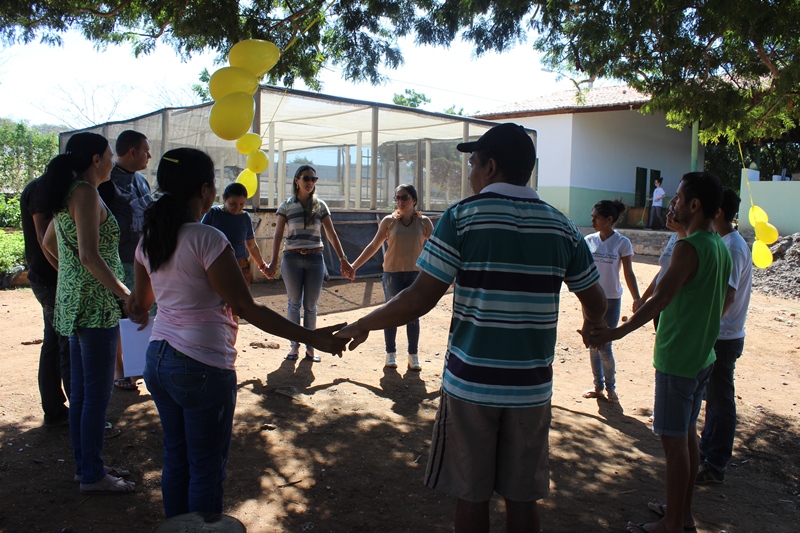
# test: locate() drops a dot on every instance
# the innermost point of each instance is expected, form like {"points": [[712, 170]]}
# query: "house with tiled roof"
{"points": [[597, 145]]}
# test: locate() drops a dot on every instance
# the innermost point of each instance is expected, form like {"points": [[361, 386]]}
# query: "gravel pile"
{"points": [[782, 277]]}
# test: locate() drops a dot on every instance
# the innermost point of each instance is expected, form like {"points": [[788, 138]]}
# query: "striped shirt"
{"points": [[508, 253], [299, 233]]}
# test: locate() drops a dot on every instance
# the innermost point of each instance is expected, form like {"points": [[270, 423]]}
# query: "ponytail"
{"points": [[65, 168], [181, 174]]}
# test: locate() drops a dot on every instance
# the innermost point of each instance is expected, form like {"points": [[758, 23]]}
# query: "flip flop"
{"points": [[291, 357], [125, 384], [112, 470], [111, 432], [661, 509], [108, 485], [313, 357], [637, 528]]}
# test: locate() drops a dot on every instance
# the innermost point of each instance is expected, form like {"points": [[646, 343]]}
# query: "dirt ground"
{"points": [[347, 452]]}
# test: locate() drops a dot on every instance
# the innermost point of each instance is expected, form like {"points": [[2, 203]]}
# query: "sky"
{"points": [[77, 85]]}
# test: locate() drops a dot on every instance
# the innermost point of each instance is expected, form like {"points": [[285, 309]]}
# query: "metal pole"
{"points": [[373, 161]]}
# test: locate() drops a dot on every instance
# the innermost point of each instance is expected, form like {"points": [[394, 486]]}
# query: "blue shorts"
{"points": [[678, 401]]}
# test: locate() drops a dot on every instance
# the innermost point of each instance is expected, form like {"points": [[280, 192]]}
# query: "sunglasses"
{"points": [[402, 198], [312, 179]]}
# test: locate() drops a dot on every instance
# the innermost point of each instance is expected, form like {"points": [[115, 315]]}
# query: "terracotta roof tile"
{"points": [[565, 100]]}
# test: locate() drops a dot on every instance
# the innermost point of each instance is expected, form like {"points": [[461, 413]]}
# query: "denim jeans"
{"points": [[92, 354], [716, 440], [302, 275], [53, 358], [655, 212], [603, 365], [195, 402], [393, 283]]}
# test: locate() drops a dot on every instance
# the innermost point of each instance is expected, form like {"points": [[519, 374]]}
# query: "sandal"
{"points": [[313, 357], [112, 470], [111, 432], [593, 393], [291, 357], [612, 397], [108, 485], [125, 384]]}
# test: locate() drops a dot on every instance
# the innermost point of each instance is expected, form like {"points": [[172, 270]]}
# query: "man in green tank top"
{"points": [[691, 298]]}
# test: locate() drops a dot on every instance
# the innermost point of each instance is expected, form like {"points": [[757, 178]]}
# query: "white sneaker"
{"points": [[413, 362], [391, 360]]}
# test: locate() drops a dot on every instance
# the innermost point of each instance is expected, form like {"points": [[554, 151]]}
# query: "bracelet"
{"points": [[263, 265], [343, 257]]}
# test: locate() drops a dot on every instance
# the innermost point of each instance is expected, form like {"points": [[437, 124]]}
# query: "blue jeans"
{"points": [[655, 213], [677, 402], [195, 403], [716, 440], [92, 355], [53, 358], [393, 283], [302, 275], [603, 366]]}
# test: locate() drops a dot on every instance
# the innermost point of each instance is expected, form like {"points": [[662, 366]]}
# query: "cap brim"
{"points": [[467, 147]]}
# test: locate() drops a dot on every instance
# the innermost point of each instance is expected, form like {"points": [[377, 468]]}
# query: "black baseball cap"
{"points": [[509, 144]]}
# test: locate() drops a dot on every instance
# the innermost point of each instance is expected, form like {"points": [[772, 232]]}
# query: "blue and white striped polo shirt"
{"points": [[508, 253]]}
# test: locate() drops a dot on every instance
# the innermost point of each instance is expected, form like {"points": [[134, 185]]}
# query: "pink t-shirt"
{"points": [[192, 317]]}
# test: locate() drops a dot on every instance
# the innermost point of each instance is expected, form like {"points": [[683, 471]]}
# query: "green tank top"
{"points": [[689, 326], [81, 300]]}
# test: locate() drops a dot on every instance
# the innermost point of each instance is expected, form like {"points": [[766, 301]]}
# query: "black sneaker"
{"points": [[57, 421], [709, 475]]}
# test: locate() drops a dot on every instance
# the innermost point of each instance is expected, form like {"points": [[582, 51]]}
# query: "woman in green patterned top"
{"points": [[83, 236]]}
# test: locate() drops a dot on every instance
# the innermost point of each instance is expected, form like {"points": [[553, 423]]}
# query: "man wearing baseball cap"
{"points": [[508, 253]]}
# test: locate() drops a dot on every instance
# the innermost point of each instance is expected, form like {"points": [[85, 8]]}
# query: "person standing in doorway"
{"points": [[405, 232], [655, 206], [127, 195]]}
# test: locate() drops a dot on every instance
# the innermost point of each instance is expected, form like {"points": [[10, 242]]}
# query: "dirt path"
{"points": [[348, 451]]}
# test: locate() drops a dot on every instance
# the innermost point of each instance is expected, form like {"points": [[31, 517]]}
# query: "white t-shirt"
{"points": [[608, 256], [666, 256], [658, 196], [192, 317], [732, 324]]}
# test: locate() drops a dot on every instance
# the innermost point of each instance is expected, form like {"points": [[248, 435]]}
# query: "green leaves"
{"points": [[24, 154]]}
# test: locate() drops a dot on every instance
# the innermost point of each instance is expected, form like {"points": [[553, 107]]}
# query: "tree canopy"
{"points": [[732, 65]]}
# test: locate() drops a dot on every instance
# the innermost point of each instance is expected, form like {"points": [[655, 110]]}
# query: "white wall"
{"points": [[553, 148], [602, 150]]}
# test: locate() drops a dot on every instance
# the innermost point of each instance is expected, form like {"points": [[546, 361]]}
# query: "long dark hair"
{"points": [[65, 168], [182, 172], [313, 205], [412, 192]]}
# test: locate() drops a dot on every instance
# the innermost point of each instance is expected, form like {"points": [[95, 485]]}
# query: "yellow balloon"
{"points": [[762, 257], [757, 215], [250, 142], [257, 161], [254, 55], [766, 232], [248, 179], [229, 80], [232, 116]]}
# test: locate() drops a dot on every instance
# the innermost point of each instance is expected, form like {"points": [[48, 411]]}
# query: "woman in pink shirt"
{"points": [[191, 270]]}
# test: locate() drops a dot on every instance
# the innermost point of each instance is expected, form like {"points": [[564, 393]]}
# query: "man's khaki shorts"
{"points": [[478, 450]]}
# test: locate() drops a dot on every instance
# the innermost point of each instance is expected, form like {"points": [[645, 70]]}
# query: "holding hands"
{"points": [[328, 340]]}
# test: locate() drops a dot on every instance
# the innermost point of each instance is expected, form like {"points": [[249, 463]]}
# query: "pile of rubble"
{"points": [[782, 277]]}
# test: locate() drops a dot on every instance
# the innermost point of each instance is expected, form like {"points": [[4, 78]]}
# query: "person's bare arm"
{"points": [[374, 245], [681, 270], [630, 277], [142, 296], [255, 253], [409, 304], [645, 295], [277, 239], [225, 277], [594, 306], [85, 208], [333, 238], [50, 241], [40, 224]]}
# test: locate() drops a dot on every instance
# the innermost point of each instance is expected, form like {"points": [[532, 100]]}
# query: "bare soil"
{"points": [[347, 452]]}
